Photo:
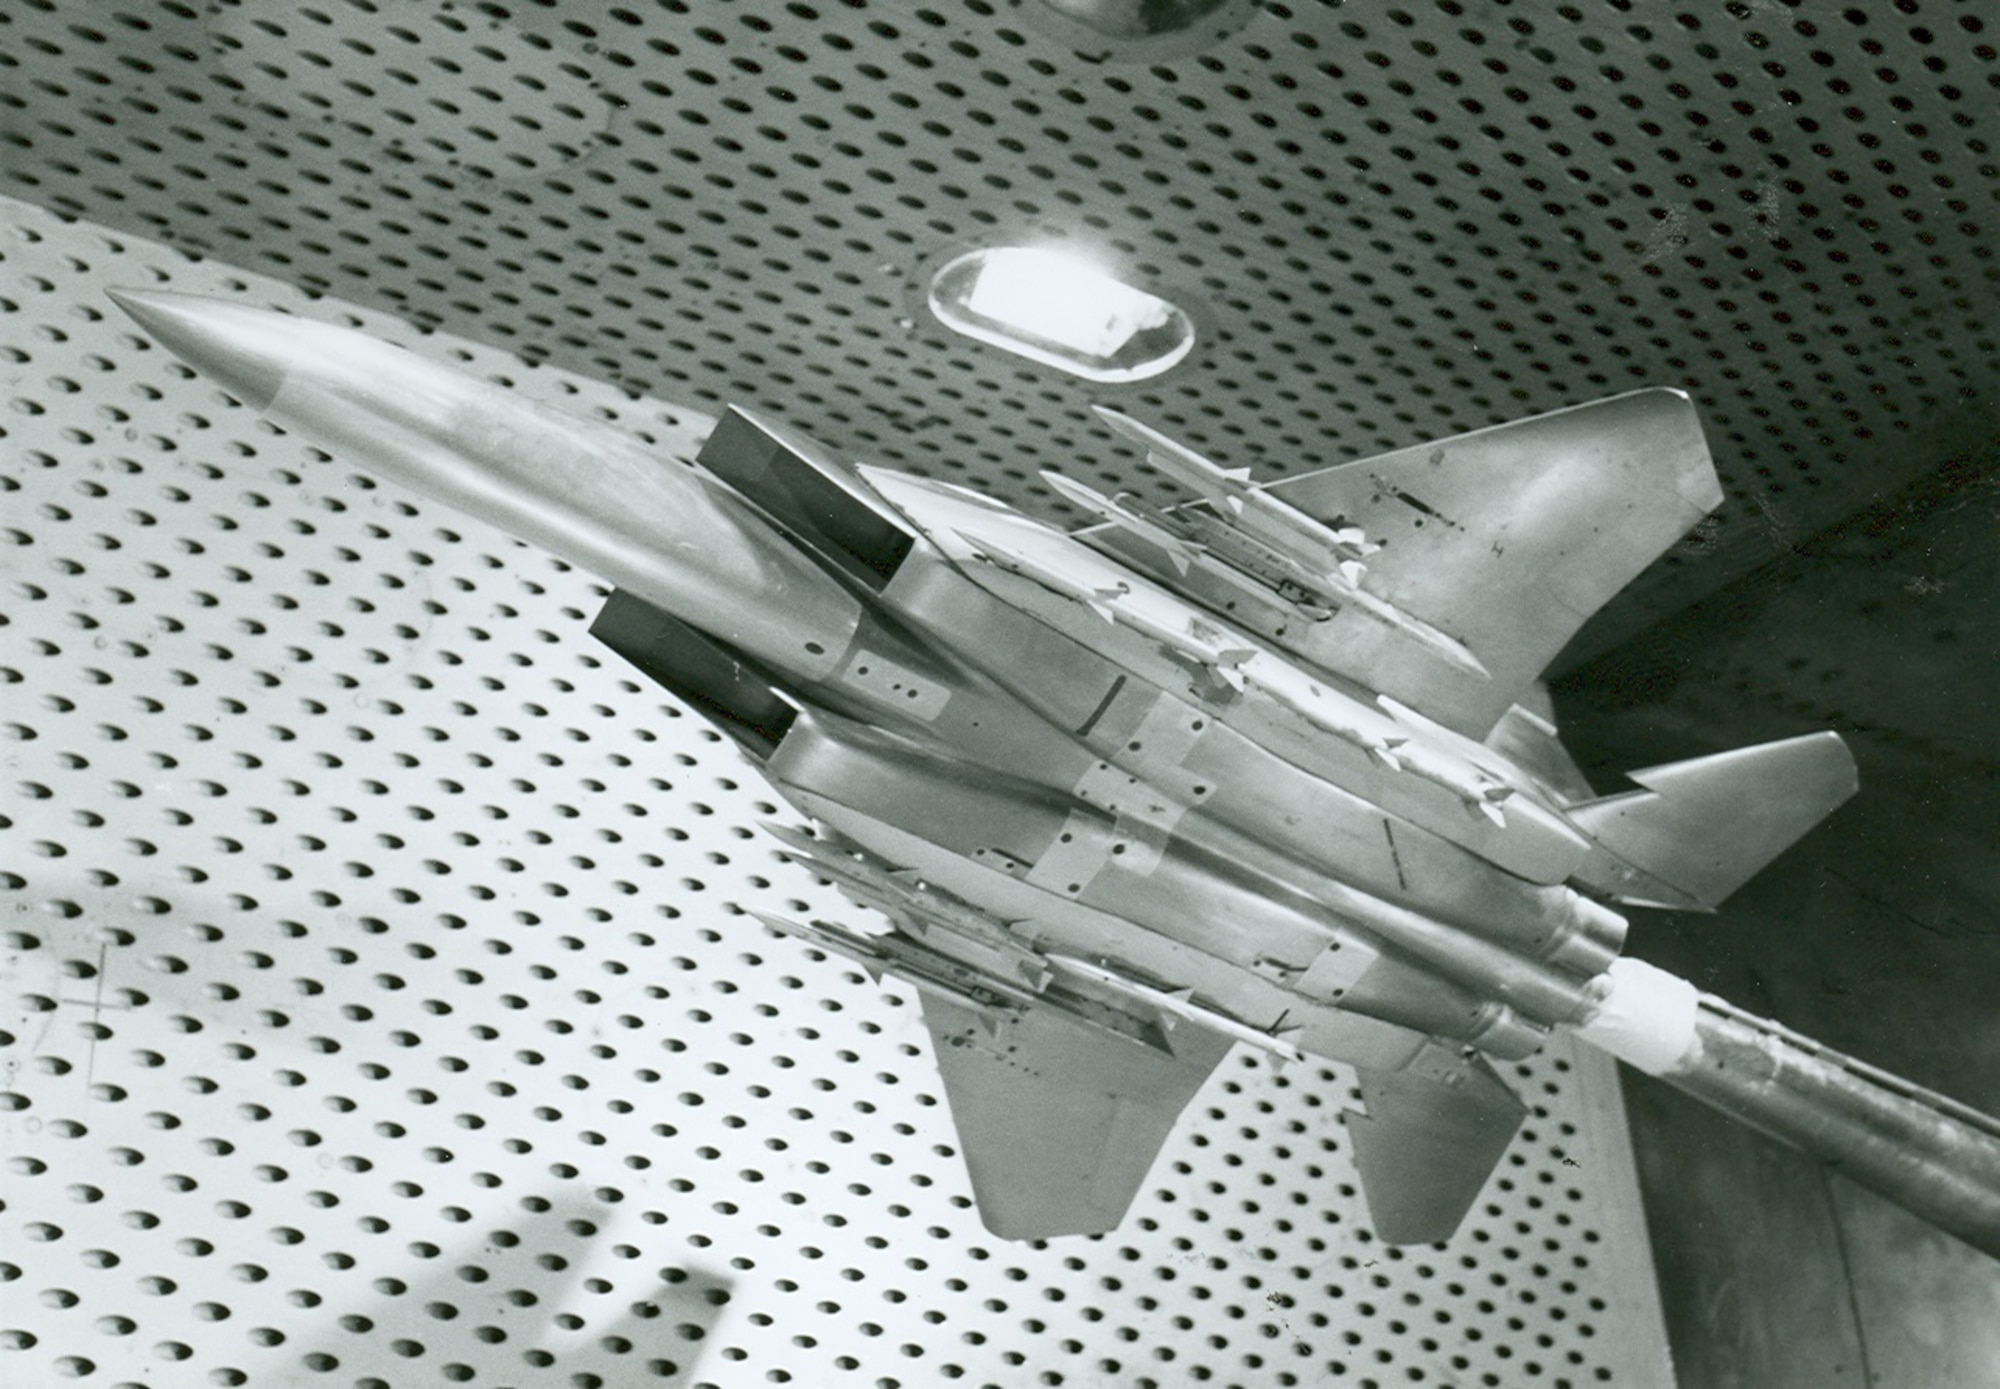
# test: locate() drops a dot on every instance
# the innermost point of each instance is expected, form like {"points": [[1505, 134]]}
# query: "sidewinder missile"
{"points": [[909, 901], [1224, 662], [1231, 487]]}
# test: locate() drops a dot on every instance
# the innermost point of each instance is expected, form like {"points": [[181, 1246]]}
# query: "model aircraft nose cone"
{"points": [[233, 345]]}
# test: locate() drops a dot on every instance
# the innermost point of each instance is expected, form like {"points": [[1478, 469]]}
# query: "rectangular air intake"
{"points": [[813, 496]]}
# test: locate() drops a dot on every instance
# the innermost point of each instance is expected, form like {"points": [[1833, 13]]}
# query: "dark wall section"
{"points": [[1879, 934]]}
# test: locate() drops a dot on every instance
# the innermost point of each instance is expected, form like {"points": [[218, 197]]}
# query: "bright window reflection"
{"points": [[1057, 308]]}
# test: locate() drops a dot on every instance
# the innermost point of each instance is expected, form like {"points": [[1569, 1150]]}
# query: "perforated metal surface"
{"points": [[1401, 220], [380, 1006]]}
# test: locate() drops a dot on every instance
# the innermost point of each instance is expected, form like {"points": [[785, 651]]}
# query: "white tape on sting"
{"points": [[1646, 1018]]}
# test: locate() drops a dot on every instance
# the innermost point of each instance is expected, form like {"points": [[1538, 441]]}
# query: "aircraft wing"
{"points": [[1509, 538], [1433, 1133], [1059, 1121]]}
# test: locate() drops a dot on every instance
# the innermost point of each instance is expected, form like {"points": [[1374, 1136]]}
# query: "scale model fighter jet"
{"points": [[1270, 767]]}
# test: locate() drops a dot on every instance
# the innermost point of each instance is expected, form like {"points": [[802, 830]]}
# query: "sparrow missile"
{"points": [[1127, 513], [1224, 662], [1181, 1004], [911, 903], [928, 969], [1258, 534], [1254, 798], [1306, 538], [1228, 487]]}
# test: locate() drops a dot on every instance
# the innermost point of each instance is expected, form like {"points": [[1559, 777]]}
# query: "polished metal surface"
{"points": [[1403, 220], [996, 813], [577, 487], [1937, 1158], [385, 1005], [1875, 936]]}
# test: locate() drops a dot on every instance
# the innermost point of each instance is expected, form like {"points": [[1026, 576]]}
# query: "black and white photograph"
{"points": [[1096, 693]]}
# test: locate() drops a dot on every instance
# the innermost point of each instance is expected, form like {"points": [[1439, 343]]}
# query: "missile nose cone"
{"points": [[231, 344]]}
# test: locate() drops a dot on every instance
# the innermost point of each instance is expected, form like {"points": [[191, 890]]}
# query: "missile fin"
{"points": [[826, 936]]}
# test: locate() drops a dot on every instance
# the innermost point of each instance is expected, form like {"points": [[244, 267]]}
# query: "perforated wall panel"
{"points": [[1399, 220], [381, 1007]]}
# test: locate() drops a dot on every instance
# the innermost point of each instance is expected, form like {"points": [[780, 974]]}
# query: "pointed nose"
{"points": [[243, 350]]}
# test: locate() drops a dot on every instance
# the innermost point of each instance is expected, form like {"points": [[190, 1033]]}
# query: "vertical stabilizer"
{"points": [[1432, 1135]]}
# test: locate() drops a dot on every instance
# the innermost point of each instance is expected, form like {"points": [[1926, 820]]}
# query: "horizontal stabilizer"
{"points": [[1060, 1122], [1433, 1133], [1703, 827]]}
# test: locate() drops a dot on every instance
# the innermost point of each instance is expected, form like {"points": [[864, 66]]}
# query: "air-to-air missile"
{"points": [[1273, 765]]}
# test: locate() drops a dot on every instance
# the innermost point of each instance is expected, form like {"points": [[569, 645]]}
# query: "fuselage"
{"points": [[1255, 770], [1174, 777], [1134, 780]]}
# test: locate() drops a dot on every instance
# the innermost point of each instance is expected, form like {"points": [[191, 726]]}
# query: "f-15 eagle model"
{"points": [[1271, 767]]}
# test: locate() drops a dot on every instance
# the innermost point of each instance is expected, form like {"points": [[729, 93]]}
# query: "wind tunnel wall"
{"points": [[380, 1006]]}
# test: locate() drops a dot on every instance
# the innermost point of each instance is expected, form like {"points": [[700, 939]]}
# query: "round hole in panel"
{"points": [[388, 1010], [438, 83]]}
